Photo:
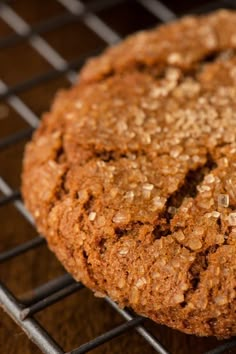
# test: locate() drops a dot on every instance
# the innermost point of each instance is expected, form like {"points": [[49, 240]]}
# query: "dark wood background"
{"points": [[81, 316]]}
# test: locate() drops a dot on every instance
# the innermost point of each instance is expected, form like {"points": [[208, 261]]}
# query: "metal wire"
{"points": [[15, 138], [22, 248], [222, 348], [7, 199], [50, 299], [103, 338], [20, 107], [47, 76], [92, 21], [160, 10], [39, 293], [37, 42], [55, 22], [30, 326], [157, 345], [23, 309]]}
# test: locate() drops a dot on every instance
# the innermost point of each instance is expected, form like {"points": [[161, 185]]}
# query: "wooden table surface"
{"points": [[81, 316]]}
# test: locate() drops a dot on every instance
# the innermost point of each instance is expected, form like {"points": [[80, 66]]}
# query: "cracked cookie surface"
{"points": [[131, 175]]}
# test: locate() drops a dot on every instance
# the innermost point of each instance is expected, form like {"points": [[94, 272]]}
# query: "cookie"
{"points": [[131, 176]]}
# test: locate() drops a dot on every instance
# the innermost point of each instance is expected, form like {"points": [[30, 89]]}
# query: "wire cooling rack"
{"points": [[23, 310]]}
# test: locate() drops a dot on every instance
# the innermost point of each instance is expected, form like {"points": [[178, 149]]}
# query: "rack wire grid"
{"points": [[23, 309]]}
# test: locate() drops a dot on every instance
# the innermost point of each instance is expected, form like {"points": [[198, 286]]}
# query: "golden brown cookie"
{"points": [[131, 176]]}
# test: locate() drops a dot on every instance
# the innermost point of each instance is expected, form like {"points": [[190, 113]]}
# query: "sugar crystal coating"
{"points": [[223, 200], [232, 219], [215, 214], [92, 216], [120, 217]]}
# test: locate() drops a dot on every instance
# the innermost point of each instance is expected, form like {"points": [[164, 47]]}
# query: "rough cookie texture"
{"points": [[131, 176]]}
